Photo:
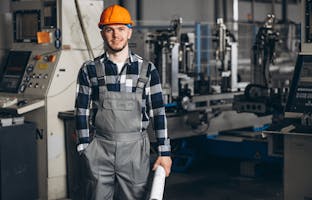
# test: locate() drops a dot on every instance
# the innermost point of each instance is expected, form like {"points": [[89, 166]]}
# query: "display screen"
{"points": [[26, 25], [300, 95], [13, 71]]}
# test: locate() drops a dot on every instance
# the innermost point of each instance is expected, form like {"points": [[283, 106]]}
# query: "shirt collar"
{"points": [[132, 58]]}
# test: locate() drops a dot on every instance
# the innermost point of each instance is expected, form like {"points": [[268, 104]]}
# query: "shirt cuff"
{"points": [[165, 148], [165, 153], [82, 147]]}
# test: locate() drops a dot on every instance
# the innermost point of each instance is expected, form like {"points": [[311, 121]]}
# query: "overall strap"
{"points": [[100, 73], [142, 80]]}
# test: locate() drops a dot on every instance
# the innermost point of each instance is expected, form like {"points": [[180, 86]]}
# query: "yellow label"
{"points": [[43, 65]]}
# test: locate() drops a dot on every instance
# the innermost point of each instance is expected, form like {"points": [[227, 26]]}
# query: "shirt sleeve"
{"points": [[82, 111], [157, 112]]}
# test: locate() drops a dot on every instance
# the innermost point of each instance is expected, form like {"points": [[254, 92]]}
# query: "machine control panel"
{"points": [[300, 97], [38, 72], [28, 72]]}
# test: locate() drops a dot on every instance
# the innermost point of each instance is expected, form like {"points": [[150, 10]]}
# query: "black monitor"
{"points": [[13, 71], [300, 94]]}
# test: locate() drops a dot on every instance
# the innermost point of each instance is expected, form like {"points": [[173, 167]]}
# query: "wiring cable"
{"points": [[91, 55]]}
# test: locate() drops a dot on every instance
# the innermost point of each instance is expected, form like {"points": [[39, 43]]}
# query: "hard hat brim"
{"points": [[129, 25]]}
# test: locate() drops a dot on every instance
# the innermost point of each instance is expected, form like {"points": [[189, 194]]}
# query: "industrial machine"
{"points": [[291, 138], [226, 58], [38, 79], [264, 52], [197, 103], [261, 96]]}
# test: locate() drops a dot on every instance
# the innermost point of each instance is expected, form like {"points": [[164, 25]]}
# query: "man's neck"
{"points": [[119, 57]]}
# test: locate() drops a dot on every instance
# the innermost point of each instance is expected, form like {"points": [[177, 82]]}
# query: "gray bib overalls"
{"points": [[118, 156]]}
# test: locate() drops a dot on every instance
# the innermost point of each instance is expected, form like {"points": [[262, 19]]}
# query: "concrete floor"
{"points": [[222, 179]]}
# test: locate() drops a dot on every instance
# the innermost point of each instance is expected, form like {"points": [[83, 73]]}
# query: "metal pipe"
{"points": [[224, 9], [253, 11], [273, 7], [284, 11], [208, 52], [234, 50], [198, 50], [175, 70], [216, 10], [139, 9], [235, 17]]}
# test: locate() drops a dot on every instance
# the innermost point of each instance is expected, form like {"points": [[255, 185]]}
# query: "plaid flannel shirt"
{"points": [[153, 105]]}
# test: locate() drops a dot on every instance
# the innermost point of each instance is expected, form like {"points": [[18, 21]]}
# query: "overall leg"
{"points": [[100, 158], [132, 169]]}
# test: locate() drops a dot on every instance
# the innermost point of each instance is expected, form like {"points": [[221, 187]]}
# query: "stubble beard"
{"points": [[116, 50]]}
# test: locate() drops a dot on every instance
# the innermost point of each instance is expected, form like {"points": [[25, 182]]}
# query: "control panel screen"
{"points": [[13, 71], [26, 25], [300, 95]]}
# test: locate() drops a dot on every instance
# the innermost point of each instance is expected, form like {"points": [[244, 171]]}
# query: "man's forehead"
{"points": [[115, 26]]}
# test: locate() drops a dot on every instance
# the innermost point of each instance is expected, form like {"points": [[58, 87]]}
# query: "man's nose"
{"points": [[115, 34]]}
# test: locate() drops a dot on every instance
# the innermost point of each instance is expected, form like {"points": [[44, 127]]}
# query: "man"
{"points": [[124, 93]]}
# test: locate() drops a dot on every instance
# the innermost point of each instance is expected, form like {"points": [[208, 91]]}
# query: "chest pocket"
{"points": [[116, 104]]}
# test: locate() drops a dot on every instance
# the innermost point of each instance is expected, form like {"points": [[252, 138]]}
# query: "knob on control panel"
{"points": [[22, 88], [30, 68]]}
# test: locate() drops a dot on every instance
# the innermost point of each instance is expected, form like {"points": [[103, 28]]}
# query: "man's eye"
{"points": [[108, 30]]}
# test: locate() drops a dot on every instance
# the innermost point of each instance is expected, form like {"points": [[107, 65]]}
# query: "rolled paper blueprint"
{"points": [[158, 184]]}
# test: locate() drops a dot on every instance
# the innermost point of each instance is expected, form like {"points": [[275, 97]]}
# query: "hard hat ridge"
{"points": [[115, 14]]}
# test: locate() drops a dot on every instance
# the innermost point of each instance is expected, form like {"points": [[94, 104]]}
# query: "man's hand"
{"points": [[165, 162]]}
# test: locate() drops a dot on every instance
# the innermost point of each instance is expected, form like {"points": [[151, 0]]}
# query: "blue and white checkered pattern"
{"points": [[153, 105]]}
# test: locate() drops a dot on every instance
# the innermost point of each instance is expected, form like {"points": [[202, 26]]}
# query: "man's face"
{"points": [[116, 36]]}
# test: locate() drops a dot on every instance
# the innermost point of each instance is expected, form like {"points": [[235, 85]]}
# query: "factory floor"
{"points": [[214, 178]]}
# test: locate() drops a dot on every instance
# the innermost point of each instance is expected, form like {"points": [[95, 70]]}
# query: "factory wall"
{"points": [[204, 10], [164, 10], [161, 11], [262, 9], [5, 6]]}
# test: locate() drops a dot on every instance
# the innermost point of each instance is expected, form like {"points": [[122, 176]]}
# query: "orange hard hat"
{"points": [[115, 14]]}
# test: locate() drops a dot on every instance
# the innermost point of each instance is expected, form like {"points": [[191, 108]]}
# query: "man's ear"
{"points": [[130, 33], [102, 34]]}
